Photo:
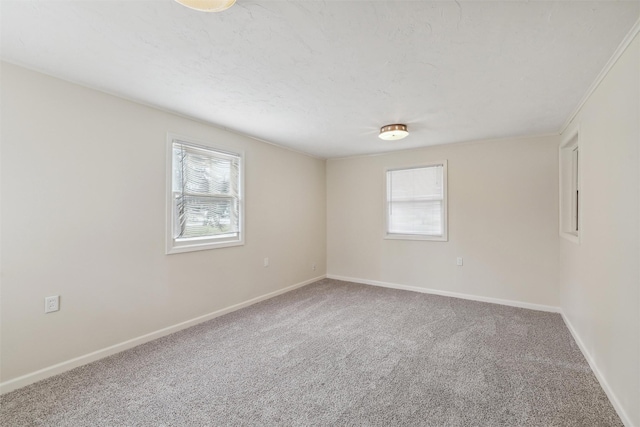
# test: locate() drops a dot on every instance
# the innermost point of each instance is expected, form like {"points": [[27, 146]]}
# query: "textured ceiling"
{"points": [[322, 77]]}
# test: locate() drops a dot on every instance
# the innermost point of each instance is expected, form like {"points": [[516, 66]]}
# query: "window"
{"points": [[570, 218], [416, 202], [204, 196], [575, 192]]}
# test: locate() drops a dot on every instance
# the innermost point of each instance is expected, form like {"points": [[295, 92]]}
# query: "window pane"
{"points": [[416, 217], [203, 173], [418, 183], [205, 216]]}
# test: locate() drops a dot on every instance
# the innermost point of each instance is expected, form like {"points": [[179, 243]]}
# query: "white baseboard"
{"points": [[601, 379], [511, 303], [59, 368]]}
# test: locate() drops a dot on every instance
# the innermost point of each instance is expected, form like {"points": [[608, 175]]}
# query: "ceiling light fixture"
{"points": [[393, 132], [207, 5]]}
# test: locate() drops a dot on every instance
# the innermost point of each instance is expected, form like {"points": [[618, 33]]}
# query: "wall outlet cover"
{"points": [[52, 303]]}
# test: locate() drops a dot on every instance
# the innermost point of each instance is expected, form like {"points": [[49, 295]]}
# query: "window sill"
{"points": [[178, 249], [572, 237], [390, 236]]}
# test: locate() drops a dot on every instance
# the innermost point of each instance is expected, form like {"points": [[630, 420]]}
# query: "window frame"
{"points": [[202, 243], [445, 202], [570, 155]]}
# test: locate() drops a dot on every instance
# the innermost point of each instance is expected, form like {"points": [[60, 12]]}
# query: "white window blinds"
{"points": [[416, 201], [206, 193]]}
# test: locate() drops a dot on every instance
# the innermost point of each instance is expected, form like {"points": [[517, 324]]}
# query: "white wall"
{"points": [[502, 219], [83, 216], [600, 277]]}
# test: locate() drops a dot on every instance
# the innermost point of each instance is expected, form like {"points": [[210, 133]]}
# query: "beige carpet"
{"points": [[335, 353]]}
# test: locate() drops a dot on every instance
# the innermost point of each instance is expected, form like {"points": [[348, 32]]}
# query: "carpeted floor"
{"points": [[335, 353]]}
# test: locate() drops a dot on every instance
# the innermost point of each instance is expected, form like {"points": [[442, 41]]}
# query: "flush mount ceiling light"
{"points": [[207, 5], [393, 132]]}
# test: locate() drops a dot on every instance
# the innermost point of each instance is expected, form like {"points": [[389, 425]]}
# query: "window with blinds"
{"points": [[205, 200], [570, 206], [416, 203]]}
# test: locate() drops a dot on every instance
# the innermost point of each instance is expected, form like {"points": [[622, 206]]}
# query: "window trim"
{"points": [[445, 203], [566, 167], [199, 244]]}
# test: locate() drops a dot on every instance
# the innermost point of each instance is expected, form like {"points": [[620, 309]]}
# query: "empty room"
{"points": [[318, 213]]}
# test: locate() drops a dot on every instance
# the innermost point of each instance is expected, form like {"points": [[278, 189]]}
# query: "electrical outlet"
{"points": [[313, 266], [459, 261], [266, 262], [52, 304]]}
